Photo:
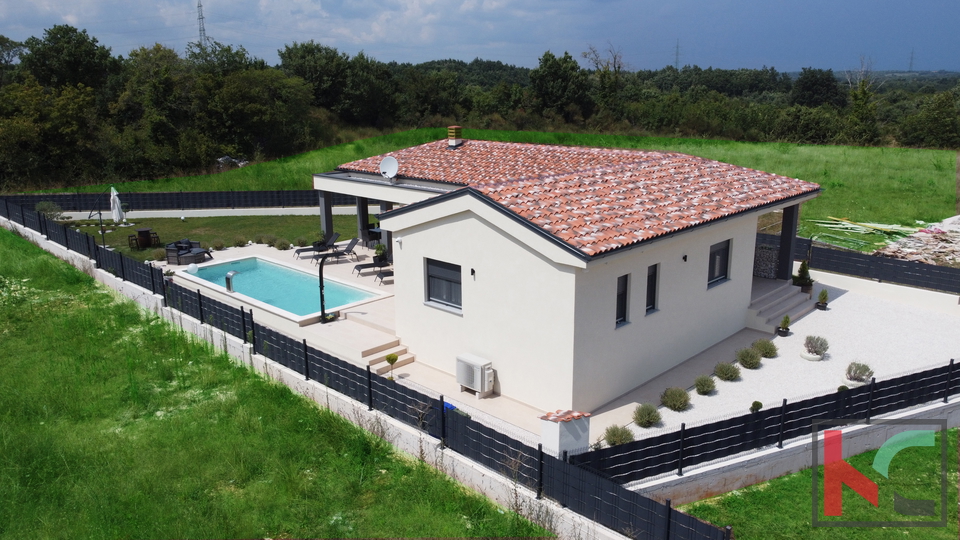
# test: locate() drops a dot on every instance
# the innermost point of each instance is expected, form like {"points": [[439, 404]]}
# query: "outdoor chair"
{"points": [[350, 249], [318, 246], [173, 254], [154, 239], [132, 241], [379, 261], [383, 274]]}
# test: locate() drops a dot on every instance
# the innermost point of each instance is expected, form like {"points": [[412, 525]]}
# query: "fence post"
{"points": [[683, 427], [96, 254], [540, 470], [946, 389], [66, 238], [369, 390], [200, 305], [153, 280], [873, 381], [253, 330], [669, 505], [443, 423], [243, 324], [728, 533], [306, 362], [123, 268], [783, 414]]}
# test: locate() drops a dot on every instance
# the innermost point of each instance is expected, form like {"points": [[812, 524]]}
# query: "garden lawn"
{"points": [[781, 508], [864, 184], [113, 425], [227, 229]]}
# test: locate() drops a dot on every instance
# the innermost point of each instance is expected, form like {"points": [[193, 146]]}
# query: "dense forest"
{"points": [[73, 113]]}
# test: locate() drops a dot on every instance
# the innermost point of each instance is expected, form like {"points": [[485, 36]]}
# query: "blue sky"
{"points": [[788, 35]]}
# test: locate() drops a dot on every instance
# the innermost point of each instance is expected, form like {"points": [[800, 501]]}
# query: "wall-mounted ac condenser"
{"points": [[475, 373]]}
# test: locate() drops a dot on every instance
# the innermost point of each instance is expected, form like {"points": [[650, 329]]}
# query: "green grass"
{"points": [[879, 185], [112, 425], [781, 508], [226, 228]]}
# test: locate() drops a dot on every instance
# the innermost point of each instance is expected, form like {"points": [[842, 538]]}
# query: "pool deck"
{"points": [[909, 330]]}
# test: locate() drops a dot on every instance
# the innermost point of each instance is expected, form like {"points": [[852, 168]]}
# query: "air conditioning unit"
{"points": [[475, 373]]}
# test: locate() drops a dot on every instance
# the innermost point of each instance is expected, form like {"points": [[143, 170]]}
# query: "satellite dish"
{"points": [[389, 167]]}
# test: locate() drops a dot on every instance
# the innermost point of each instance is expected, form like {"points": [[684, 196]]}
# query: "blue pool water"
{"points": [[288, 289]]}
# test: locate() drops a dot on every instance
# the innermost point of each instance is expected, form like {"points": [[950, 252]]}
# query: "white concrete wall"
{"points": [[517, 310], [690, 317]]}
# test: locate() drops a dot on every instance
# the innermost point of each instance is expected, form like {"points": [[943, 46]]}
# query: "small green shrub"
{"points": [[159, 254], [615, 435], [816, 345], [219, 244], [704, 384], [239, 241], [50, 210], [646, 415], [300, 241], [859, 372], [282, 244], [270, 240], [785, 322], [726, 372], [802, 277], [765, 347], [748, 358], [842, 387], [756, 406], [675, 399], [258, 239], [823, 297]]}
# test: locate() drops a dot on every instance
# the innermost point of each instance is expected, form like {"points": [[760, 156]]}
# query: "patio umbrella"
{"points": [[115, 209]]}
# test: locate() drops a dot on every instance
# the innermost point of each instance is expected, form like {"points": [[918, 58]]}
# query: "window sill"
{"points": [[444, 307], [652, 311], [621, 324], [717, 282]]}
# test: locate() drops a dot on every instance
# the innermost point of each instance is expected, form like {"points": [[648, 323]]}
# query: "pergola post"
{"points": [[386, 237], [363, 218], [326, 213], [788, 241]]}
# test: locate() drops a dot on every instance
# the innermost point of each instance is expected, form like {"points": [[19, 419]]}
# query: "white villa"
{"points": [[577, 273]]}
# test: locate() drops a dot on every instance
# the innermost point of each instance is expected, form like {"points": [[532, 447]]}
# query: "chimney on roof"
{"points": [[454, 138]]}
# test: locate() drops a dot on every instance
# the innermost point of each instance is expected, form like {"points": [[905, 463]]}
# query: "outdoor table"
{"points": [[143, 238]]}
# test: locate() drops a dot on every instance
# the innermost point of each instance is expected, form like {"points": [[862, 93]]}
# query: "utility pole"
{"points": [[676, 56], [203, 32]]}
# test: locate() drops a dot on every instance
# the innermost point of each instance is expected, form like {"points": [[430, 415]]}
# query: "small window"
{"points": [[719, 262], [652, 287], [623, 289], [443, 283]]}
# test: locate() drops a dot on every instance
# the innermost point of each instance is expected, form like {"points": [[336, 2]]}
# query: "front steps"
{"points": [[377, 360], [765, 312]]}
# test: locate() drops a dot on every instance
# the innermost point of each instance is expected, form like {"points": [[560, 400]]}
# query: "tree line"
{"points": [[73, 113]]}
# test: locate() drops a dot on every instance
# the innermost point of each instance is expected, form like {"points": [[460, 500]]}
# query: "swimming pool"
{"points": [[282, 287]]}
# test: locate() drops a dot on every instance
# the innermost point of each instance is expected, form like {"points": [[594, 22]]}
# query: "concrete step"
{"points": [[373, 349], [381, 356], [795, 313], [773, 299], [785, 307], [402, 361], [755, 303]]}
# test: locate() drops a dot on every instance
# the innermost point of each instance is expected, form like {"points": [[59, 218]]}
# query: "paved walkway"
{"points": [[894, 329]]}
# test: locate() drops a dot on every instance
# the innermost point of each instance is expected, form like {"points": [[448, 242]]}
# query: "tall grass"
{"points": [[114, 426]]}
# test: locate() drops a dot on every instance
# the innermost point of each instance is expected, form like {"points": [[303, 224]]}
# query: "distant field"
{"points": [[879, 185]]}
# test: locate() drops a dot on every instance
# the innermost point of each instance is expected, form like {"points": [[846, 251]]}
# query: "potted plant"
{"points": [[380, 251], [784, 327], [816, 347], [392, 359], [803, 279], [822, 299]]}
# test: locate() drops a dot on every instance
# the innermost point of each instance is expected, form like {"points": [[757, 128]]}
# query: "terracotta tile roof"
{"points": [[564, 416], [595, 199]]}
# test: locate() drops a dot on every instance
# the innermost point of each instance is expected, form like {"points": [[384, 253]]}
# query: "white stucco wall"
{"points": [[690, 317], [517, 310]]}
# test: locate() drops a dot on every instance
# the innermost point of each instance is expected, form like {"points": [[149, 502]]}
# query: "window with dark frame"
{"points": [[719, 262], [652, 287], [623, 288], [443, 283]]}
